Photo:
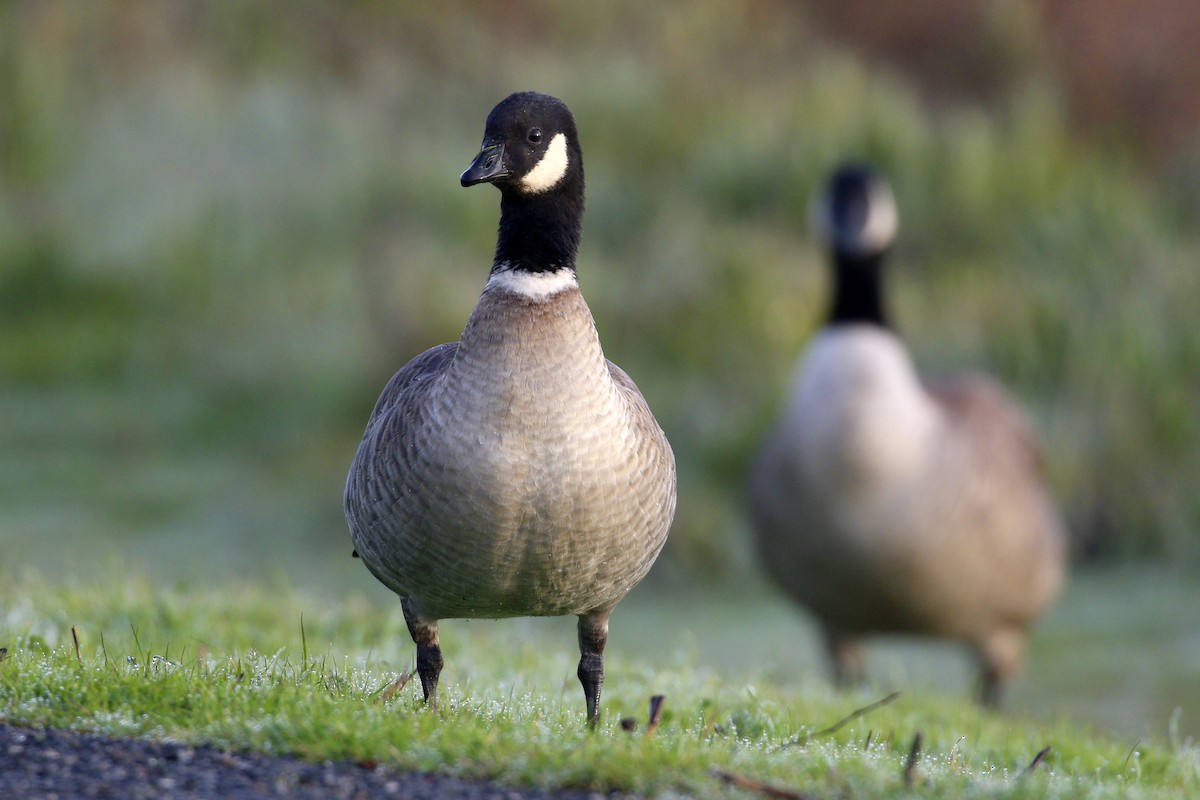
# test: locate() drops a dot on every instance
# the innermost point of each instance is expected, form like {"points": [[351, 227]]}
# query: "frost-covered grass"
{"points": [[273, 669]]}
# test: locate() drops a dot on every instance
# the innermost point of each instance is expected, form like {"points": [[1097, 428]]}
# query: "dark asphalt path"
{"points": [[39, 764]]}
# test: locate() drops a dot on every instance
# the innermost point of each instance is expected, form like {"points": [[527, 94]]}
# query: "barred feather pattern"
{"points": [[516, 472]]}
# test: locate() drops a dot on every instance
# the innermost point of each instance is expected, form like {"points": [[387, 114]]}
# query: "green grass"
{"points": [[275, 669]]}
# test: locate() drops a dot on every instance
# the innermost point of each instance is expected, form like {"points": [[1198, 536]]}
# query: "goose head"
{"points": [[856, 215], [530, 147], [531, 153]]}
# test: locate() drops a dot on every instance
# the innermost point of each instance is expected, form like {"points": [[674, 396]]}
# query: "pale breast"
{"points": [[857, 419]]}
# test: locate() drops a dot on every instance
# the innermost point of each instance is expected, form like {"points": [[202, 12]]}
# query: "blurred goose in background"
{"points": [[886, 506], [516, 472]]}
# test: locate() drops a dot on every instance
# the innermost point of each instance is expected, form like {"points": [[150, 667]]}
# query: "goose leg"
{"points": [[990, 689], [429, 652], [1000, 659], [845, 659], [593, 634]]}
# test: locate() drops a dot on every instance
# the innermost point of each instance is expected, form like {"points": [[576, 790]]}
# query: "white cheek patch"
{"points": [[534, 285], [882, 222], [550, 170]]}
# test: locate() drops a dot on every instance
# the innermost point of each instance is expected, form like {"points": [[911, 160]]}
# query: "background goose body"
{"points": [[516, 472], [887, 506]]}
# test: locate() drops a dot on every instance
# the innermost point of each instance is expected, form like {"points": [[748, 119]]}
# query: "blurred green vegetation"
{"points": [[222, 228]]}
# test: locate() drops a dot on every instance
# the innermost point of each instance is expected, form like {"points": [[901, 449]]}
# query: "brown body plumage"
{"points": [[516, 472]]}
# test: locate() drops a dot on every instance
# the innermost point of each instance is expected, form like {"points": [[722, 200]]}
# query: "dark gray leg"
{"points": [[990, 689], [845, 659], [1000, 658], [429, 652], [593, 634]]}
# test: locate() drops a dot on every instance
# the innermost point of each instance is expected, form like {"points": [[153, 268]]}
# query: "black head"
{"points": [[530, 147], [857, 214]]}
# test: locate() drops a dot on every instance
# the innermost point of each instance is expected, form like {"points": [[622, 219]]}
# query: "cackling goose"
{"points": [[516, 472]]}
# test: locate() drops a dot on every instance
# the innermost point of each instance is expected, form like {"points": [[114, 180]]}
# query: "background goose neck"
{"points": [[858, 291]]}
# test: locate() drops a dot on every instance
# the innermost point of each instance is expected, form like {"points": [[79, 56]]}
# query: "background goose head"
{"points": [[531, 153], [856, 218]]}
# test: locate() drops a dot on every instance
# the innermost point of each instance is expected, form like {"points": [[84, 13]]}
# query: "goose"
{"points": [[517, 471], [885, 505]]}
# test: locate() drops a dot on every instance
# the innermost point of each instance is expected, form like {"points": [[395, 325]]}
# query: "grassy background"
{"points": [[221, 231]]}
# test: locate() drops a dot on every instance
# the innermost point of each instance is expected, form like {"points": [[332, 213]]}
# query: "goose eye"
{"points": [[534, 135]]}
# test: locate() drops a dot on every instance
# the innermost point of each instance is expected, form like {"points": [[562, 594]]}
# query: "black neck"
{"points": [[858, 290], [541, 233]]}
